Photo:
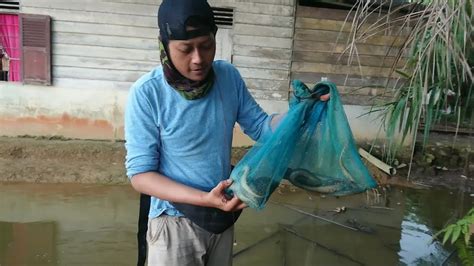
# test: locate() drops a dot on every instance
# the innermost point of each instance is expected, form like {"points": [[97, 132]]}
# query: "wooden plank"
{"points": [[339, 59], [362, 100], [257, 30], [104, 29], [362, 49], [263, 52], [448, 128], [269, 95], [260, 19], [142, 2], [357, 91], [105, 52], [97, 74], [94, 17], [270, 42], [321, 24], [95, 6], [213, 3], [321, 13], [267, 85], [103, 63], [346, 80], [273, 2], [365, 91], [334, 14], [222, 3], [336, 25], [129, 7], [343, 37], [340, 69], [352, 98], [72, 83], [267, 9], [259, 62], [258, 73], [104, 40]]}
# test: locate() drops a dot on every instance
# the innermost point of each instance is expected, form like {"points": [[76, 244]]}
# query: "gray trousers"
{"points": [[176, 241]]}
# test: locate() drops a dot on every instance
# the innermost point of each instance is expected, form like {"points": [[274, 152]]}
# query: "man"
{"points": [[178, 127]]}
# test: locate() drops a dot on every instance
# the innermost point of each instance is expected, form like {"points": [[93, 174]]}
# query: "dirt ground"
{"points": [[55, 160], [58, 160]]}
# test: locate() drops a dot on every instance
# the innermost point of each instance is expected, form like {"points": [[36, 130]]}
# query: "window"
{"points": [[224, 19], [36, 49], [224, 16], [25, 46], [9, 6]]}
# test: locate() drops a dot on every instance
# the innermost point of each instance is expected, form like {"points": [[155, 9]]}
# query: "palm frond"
{"points": [[436, 44]]}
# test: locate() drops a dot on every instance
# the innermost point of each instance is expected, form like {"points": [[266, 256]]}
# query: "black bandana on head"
{"points": [[189, 89]]}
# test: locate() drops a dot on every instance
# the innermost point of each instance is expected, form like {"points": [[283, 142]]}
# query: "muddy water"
{"points": [[42, 224]]}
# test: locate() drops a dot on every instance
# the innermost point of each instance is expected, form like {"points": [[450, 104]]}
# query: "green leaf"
{"points": [[465, 255], [469, 8], [456, 234], [471, 212], [467, 237], [403, 74], [448, 232]]}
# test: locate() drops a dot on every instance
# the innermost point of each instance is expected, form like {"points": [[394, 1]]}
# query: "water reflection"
{"points": [[427, 212], [42, 224], [417, 247], [28, 243], [94, 225]]}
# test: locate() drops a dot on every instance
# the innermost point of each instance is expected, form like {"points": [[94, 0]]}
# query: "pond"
{"points": [[58, 224]]}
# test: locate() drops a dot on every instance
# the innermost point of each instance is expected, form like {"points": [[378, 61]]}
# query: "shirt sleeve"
{"points": [[252, 119], [142, 134]]}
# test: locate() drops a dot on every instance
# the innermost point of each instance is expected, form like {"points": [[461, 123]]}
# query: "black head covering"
{"points": [[175, 15]]}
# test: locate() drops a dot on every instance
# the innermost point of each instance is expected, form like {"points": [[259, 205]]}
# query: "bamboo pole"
{"points": [[378, 163]]}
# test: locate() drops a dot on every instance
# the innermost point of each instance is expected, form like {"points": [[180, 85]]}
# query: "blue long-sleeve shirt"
{"points": [[188, 141]]}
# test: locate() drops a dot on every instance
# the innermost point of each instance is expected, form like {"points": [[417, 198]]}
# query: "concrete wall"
{"points": [[80, 113], [89, 113]]}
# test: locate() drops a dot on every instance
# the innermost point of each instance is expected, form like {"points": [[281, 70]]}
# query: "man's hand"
{"points": [[325, 97], [218, 199], [162, 187]]}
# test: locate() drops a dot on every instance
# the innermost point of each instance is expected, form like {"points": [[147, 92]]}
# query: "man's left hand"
{"points": [[325, 97]]}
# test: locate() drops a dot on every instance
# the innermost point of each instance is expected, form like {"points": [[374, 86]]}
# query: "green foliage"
{"points": [[459, 234], [465, 254], [436, 56], [453, 231]]}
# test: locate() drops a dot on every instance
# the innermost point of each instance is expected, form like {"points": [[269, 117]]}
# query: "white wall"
{"points": [[66, 111]]}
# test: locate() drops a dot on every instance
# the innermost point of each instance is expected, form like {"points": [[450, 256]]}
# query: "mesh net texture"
{"points": [[312, 147]]}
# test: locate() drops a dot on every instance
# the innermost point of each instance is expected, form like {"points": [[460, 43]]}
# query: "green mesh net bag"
{"points": [[312, 147]]}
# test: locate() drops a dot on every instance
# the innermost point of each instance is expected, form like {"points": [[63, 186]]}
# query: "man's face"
{"points": [[193, 58]]}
